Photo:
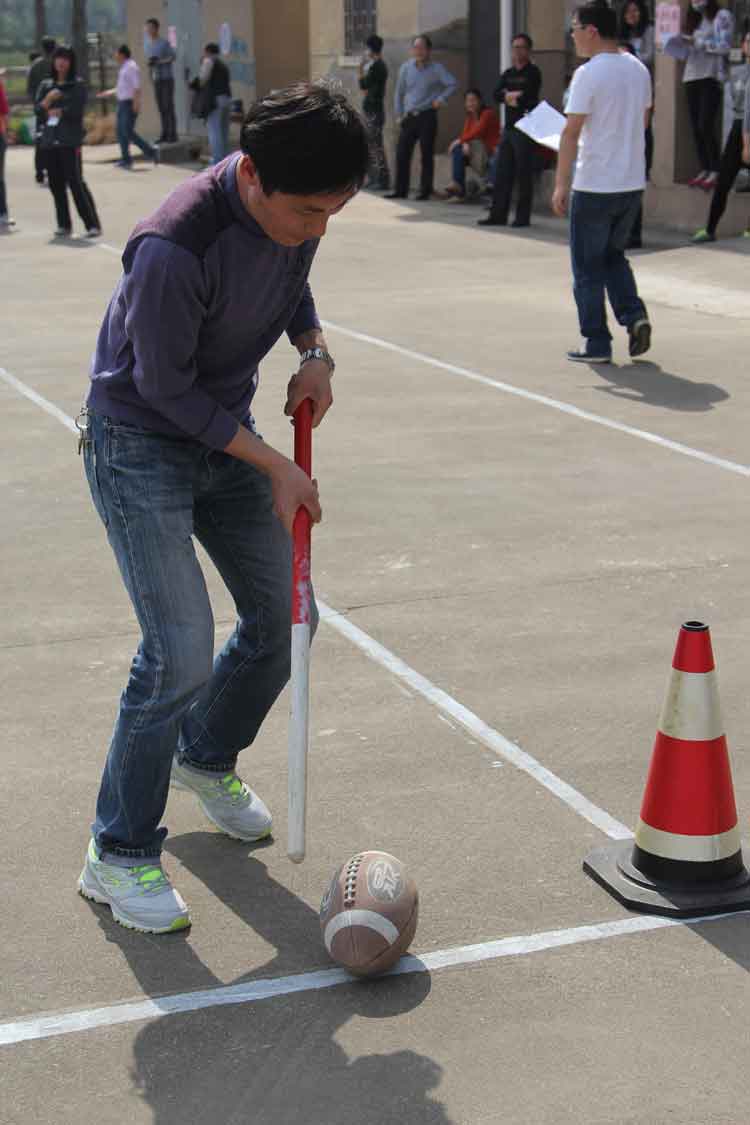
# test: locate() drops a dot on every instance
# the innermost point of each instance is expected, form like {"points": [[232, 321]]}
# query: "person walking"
{"points": [[40, 69], [128, 94], [160, 58], [215, 98], [373, 79], [5, 220], [211, 281], [474, 147], [736, 150], [607, 109], [710, 30], [518, 90], [61, 101], [423, 86]]}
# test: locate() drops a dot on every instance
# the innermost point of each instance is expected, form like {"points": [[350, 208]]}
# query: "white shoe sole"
{"points": [[175, 783], [94, 894]]}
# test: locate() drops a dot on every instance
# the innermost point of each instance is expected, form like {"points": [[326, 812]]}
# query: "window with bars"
{"points": [[360, 17]]}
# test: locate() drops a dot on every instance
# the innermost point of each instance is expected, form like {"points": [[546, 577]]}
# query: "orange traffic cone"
{"points": [[687, 856]]}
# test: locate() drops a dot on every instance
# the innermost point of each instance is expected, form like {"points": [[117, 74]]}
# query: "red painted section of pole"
{"points": [[301, 527], [693, 652]]}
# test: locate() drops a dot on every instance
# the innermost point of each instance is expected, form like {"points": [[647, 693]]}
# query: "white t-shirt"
{"points": [[614, 92]]}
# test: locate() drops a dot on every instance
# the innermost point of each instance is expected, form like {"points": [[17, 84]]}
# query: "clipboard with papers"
{"points": [[543, 124]]}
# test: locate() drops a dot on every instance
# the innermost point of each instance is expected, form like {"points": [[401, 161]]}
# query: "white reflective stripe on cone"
{"points": [[367, 918], [695, 849], [691, 708]]}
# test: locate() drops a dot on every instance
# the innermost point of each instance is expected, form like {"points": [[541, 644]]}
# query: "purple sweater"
{"points": [[204, 296]]}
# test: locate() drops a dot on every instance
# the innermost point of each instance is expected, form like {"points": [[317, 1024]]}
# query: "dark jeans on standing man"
{"points": [[600, 226], [164, 93], [126, 118], [704, 103], [515, 161], [154, 495], [65, 170], [729, 166], [415, 127]]}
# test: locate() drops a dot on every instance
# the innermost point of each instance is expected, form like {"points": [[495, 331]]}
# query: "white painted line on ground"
{"points": [[434, 695], [138, 1011], [38, 399], [487, 735], [544, 400]]}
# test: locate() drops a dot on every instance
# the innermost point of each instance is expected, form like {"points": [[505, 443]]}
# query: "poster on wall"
{"points": [[172, 36], [666, 24], [225, 39]]}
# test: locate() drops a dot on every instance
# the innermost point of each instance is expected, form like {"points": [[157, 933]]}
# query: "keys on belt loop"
{"points": [[83, 425]]}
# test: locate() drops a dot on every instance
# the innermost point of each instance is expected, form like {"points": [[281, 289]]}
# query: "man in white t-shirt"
{"points": [[608, 108]]}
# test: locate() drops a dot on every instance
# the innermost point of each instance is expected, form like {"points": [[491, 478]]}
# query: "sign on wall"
{"points": [[225, 39], [666, 23]]}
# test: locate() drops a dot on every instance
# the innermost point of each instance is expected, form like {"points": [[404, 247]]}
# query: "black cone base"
{"points": [[612, 869]]}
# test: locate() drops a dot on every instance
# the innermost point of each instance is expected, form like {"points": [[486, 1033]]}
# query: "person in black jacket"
{"points": [[518, 90], [40, 69], [373, 77], [213, 100], [60, 102]]}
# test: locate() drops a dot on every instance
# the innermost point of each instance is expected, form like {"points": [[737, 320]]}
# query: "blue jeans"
{"points": [[458, 167], [126, 117], [217, 123], [154, 493], [600, 227]]}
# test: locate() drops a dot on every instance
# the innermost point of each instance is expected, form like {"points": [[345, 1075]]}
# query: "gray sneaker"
{"points": [[226, 800], [141, 897]]}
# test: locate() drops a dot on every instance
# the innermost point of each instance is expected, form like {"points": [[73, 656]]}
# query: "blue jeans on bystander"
{"points": [[126, 117], [154, 494], [600, 226]]}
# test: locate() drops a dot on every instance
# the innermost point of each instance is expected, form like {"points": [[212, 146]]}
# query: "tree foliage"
{"points": [[18, 20]]}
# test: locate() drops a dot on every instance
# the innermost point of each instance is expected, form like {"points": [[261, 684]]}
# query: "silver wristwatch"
{"points": [[318, 353]]}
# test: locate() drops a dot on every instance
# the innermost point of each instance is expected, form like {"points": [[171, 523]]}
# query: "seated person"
{"points": [[473, 149]]}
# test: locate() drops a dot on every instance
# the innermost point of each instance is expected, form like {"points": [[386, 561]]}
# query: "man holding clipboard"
{"points": [[607, 110]]}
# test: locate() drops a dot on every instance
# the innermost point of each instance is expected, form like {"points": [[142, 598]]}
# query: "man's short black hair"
{"points": [[526, 38], [375, 43], [598, 14], [48, 44], [425, 39], [306, 140], [212, 48], [154, 21], [124, 50]]}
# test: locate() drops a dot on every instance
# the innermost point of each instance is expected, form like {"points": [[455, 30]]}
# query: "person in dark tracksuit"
{"points": [[60, 102], [422, 87], [373, 78], [40, 69], [160, 57], [518, 90]]}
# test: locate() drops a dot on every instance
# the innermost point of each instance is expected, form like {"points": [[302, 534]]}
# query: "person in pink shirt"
{"points": [[128, 92], [473, 149], [5, 220]]}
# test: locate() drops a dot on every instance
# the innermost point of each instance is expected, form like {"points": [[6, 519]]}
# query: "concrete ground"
{"points": [[531, 562]]}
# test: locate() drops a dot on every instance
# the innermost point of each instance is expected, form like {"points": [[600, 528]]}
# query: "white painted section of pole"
{"points": [[506, 33], [299, 735]]}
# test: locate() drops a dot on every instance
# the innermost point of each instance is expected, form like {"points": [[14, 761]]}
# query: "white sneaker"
{"points": [[226, 800], [140, 897]]}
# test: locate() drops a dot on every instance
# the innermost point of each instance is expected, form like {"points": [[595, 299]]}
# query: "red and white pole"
{"points": [[299, 722]]}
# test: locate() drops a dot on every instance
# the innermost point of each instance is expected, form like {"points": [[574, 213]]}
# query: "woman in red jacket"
{"points": [[473, 149]]}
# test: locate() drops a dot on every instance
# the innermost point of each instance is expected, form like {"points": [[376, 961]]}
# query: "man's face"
{"points": [[584, 38], [119, 59], [519, 53], [151, 31], [420, 50], [288, 219]]}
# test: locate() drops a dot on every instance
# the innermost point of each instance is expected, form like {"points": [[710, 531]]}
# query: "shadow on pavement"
{"points": [[645, 381], [275, 1060], [730, 936]]}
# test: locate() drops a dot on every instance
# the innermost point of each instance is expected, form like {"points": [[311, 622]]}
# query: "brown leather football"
{"points": [[369, 913]]}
